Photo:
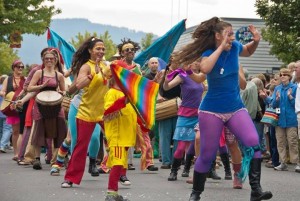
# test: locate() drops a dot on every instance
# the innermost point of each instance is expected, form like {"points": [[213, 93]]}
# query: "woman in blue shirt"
{"points": [[222, 106]]}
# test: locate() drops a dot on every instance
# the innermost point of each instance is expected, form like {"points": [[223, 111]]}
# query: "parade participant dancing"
{"points": [[117, 116], [88, 60], [127, 50], [191, 94], [222, 105]]}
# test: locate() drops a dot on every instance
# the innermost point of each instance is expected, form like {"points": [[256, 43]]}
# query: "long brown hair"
{"points": [[204, 39]]}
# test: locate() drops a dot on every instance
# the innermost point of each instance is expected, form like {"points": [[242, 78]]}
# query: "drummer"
{"points": [[14, 83], [54, 128]]}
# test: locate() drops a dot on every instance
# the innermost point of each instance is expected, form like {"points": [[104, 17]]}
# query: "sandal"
{"points": [[15, 158], [66, 184], [23, 162]]}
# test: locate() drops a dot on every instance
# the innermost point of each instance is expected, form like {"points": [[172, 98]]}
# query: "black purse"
{"points": [[172, 93]]}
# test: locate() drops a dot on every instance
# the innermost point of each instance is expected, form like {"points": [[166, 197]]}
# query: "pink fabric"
{"points": [[222, 139], [187, 112], [12, 120]]}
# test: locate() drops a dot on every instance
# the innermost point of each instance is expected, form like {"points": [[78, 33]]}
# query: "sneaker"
{"points": [[54, 171], [66, 184], [297, 168], [2, 150], [152, 168], [37, 165], [131, 167], [281, 167], [124, 181]]}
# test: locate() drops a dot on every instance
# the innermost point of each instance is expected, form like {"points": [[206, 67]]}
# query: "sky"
{"points": [[153, 16]]}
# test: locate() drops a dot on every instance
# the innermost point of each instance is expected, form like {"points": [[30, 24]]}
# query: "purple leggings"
{"points": [[240, 123]]}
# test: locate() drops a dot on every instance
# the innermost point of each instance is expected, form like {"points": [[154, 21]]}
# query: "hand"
{"points": [[277, 95], [225, 39], [44, 84], [289, 92], [19, 103], [158, 77], [262, 94], [255, 33], [97, 68], [2, 93]]}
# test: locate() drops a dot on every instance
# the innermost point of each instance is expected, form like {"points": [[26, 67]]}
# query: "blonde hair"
{"points": [[291, 65]]}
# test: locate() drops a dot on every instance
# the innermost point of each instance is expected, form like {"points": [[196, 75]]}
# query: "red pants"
{"points": [[78, 158]]}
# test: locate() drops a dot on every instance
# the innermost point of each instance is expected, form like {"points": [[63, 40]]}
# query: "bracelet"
{"points": [[189, 72]]}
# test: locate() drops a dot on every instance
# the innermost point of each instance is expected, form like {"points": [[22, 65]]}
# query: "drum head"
{"points": [[8, 97], [49, 98]]}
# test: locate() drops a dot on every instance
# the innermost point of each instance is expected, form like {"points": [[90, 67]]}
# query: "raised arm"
{"points": [[250, 48]]}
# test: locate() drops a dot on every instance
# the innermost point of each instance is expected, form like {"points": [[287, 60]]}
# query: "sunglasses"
{"points": [[283, 75], [129, 50], [19, 67], [49, 58]]}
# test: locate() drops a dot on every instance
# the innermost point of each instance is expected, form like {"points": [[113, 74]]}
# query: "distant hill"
{"points": [[68, 29]]}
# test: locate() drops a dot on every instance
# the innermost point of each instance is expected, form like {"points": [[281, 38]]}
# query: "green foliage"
{"points": [[7, 56], [106, 37], [282, 18], [147, 41], [26, 16]]}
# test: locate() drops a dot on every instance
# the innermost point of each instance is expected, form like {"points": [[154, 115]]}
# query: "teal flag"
{"points": [[65, 48], [163, 46]]}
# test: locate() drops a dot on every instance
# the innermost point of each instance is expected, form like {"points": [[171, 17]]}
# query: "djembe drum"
{"points": [[49, 103], [167, 109]]}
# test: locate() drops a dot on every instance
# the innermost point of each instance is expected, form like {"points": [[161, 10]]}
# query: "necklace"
{"points": [[17, 85], [222, 67]]}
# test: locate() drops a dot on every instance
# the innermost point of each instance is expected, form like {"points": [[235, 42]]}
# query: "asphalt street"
{"points": [[22, 183]]}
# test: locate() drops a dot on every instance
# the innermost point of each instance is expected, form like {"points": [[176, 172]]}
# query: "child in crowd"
{"points": [[118, 115]]}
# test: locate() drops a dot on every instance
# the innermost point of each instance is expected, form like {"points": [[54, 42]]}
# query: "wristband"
{"points": [[189, 72]]}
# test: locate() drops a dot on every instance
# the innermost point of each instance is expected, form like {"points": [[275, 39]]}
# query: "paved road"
{"points": [[19, 183]]}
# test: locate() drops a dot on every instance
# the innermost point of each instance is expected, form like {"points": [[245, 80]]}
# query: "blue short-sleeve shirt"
{"points": [[223, 94]]}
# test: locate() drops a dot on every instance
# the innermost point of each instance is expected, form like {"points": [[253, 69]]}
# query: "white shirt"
{"points": [[297, 100]]}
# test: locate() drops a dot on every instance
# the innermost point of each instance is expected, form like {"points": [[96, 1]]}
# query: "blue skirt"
{"points": [[185, 128]]}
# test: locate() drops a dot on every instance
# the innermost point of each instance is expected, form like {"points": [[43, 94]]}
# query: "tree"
{"points": [[147, 41], [282, 27], [7, 56], [110, 47], [28, 16]]}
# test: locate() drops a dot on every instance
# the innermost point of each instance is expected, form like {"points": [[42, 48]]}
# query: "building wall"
{"points": [[260, 62]]}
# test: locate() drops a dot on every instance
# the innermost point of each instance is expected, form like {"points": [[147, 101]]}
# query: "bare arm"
{"points": [[173, 83], [198, 77], [242, 79], [84, 77], [72, 88], [250, 48], [62, 86], [33, 82], [4, 87]]}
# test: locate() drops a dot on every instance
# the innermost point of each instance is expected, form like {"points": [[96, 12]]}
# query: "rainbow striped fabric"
{"points": [[141, 92]]}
